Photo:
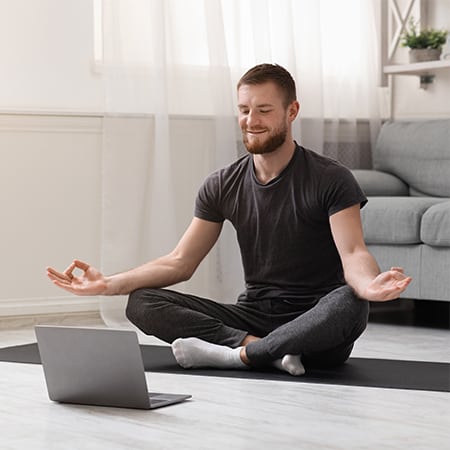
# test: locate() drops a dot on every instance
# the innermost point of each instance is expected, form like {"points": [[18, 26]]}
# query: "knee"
{"points": [[147, 310], [134, 305], [357, 310], [140, 304], [362, 309], [351, 308], [354, 304]]}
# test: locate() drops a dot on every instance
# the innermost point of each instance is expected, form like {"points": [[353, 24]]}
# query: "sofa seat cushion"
{"points": [[395, 220], [374, 182], [435, 228]]}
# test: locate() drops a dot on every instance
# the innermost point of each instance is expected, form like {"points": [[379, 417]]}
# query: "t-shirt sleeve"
{"points": [[342, 190], [207, 203]]}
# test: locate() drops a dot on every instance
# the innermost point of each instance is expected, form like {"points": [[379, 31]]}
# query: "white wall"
{"points": [[409, 101], [47, 54], [50, 194]]}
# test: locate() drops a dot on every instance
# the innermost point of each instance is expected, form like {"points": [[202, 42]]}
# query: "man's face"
{"points": [[262, 117]]}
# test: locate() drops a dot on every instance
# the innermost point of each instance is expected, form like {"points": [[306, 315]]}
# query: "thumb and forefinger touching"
{"points": [[65, 279]]}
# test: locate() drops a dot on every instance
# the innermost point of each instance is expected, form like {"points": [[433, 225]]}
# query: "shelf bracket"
{"points": [[425, 80]]}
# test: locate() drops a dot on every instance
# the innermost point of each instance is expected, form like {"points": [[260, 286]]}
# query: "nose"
{"points": [[252, 119]]}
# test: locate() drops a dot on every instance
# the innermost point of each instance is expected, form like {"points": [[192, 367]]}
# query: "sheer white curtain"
{"points": [[170, 69]]}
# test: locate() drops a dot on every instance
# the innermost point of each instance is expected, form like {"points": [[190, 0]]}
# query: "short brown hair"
{"points": [[264, 73]]}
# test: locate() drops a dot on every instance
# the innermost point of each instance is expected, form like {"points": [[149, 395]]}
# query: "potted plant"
{"points": [[424, 45]]}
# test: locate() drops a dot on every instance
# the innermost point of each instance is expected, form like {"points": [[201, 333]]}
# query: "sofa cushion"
{"points": [[374, 182], [435, 227], [435, 267], [418, 152], [395, 220]]}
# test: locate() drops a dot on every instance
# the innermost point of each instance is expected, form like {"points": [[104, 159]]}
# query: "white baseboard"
{"points": [[48, 305]]}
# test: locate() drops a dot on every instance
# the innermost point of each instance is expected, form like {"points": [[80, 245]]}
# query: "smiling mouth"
{"points": [[255, 132]]}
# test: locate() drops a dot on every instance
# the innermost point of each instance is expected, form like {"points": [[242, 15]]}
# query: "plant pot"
{"points": [[424, 54]]}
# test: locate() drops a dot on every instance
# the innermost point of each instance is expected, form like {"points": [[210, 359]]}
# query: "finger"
{"points": [[404, 283], [54, 274], [69, 270], [393, 292], [81, 265], [64, 285], [398, 269], [51, 270], [399, 276], [70, 287]]}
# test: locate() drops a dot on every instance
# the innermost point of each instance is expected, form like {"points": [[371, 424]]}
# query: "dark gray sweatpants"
{"points": [[323, 335]]}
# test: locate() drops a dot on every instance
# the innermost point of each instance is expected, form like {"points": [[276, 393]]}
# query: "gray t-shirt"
{"points": [[283, 227]]}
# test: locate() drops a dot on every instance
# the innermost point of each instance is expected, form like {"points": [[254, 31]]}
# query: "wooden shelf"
{"points": [[417, 68]]}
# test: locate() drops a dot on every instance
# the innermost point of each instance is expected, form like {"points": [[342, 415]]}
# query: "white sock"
{"points": [[193, 352], [291, 364]]}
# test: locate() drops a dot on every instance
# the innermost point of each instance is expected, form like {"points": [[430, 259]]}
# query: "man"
{"points": [[308, 273]]}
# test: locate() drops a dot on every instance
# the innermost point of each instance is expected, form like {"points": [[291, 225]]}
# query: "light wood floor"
{"points": [[237, 414]]}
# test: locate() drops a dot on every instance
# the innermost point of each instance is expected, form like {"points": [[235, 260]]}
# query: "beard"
{"points": [[269, 145]]}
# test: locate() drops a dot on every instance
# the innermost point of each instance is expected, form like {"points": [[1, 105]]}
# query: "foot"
{"points": [[194, 353], [291, 364]]}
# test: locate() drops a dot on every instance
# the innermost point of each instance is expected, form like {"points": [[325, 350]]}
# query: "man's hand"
{"points": [[90, 282], [387, 285]]}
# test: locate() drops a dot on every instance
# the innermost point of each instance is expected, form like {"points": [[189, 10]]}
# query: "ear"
{"points": [[293, 110]]}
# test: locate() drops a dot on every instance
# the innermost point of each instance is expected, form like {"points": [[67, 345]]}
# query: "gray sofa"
{"points": [[407, 219]]}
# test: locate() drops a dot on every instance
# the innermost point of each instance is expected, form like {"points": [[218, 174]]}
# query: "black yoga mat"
{"points": [[369, 372]]}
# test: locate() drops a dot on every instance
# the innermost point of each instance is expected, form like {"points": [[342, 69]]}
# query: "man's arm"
{"points": [[361, 271], [177, 266]]}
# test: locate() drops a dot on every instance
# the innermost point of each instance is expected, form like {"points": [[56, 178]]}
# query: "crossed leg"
{"points": [[232, 336]]}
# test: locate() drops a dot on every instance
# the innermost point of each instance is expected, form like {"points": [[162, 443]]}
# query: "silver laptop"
{"points": [[100, 367]]}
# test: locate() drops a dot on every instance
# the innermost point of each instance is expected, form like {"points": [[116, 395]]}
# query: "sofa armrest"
{"points": [[376, 183]]}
